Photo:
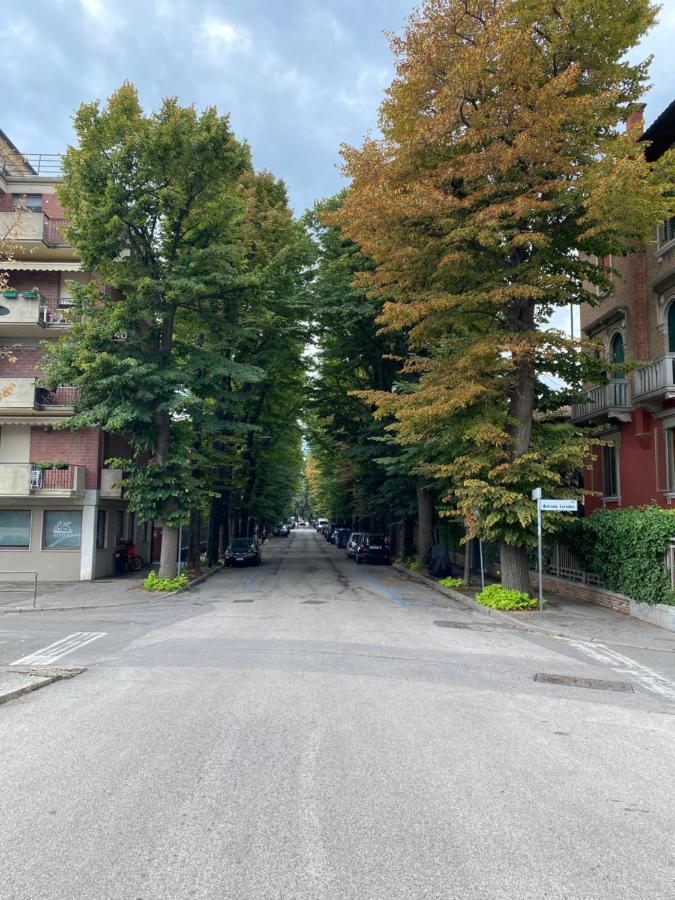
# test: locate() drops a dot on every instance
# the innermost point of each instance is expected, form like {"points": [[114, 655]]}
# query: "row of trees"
{"points": [[503, 177], [190, 341]]}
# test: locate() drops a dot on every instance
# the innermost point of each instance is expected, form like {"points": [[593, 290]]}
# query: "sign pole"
{"points": [[536, 495], [482, 568], [180, 547]]}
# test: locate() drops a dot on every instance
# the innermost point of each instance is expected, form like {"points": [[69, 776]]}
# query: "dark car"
{"points": [[372, 548], [243, 551], [342, 536], [281, 531]]}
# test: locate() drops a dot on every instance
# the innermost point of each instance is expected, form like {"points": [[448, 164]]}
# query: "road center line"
{"points": [[393, 596], [48, 655]]}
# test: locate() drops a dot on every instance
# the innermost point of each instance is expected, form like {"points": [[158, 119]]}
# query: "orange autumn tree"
{"points": [[504, 171]]}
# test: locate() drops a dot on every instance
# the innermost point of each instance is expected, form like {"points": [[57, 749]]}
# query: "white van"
{"points": [[321, 523]]}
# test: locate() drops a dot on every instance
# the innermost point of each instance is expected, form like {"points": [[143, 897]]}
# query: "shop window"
{"points": [[610, 471], [62, 529], [101, 522], [32, 202], [15, 528]]}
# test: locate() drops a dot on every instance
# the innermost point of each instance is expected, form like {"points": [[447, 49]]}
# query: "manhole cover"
{"points": [[242, 601], [315, 602], [442, 624], [596, 684]]}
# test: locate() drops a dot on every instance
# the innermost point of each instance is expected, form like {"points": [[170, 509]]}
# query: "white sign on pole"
{"points": [[558, 505]]}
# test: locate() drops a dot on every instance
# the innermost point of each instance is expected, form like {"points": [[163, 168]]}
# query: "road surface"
{"points": [[312, 729]]}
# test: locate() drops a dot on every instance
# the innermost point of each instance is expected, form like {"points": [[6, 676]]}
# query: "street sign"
{"points": [[558, 505]]}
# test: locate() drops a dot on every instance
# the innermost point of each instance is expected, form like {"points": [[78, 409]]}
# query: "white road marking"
{"points": [[649, 679], [50, 654]]}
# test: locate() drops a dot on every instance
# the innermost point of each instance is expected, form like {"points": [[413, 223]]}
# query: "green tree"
{"points": [[154, 207], [501, 178]]}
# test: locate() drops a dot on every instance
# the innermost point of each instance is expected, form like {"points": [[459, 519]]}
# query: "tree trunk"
{"points": [[515, 568], [425, 523], [168, 565], [468, 549]]}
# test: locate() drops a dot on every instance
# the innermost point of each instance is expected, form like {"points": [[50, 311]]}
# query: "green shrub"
{"points": [[625, 548], [498, 597], [154, 583], [451, 582]]}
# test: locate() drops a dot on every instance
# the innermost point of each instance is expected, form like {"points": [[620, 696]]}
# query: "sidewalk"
{"points": [[567, 618], [119, 590]]}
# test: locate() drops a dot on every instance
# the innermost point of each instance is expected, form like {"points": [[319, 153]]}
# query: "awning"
{"points": [[36, 421], [35, 265]]}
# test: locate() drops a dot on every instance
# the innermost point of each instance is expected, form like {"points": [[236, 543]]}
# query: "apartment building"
{"points": [[635, 411], [61, 511]]}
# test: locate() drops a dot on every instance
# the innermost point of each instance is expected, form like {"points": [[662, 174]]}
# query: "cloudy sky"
{"points": [[299, 77]]}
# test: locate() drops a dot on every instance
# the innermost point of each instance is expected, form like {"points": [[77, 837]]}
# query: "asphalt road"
{"points": [[308, 729]]}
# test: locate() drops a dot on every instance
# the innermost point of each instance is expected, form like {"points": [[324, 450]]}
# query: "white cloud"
{"points": [[220, 35], [95, 8]]}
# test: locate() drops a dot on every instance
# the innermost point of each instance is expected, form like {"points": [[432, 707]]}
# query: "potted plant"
{"points": [[30, 295], [61, 464], [44, 465], [9, 294]]}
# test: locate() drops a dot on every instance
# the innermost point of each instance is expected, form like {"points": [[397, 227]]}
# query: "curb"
{"points": [[48, 675], [43, 609]]}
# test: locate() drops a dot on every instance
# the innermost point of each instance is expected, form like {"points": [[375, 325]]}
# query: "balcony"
{"points": [[29, 313], [604, 403], [21, 396], [31, 165], [36, 234], [655, 382], [30, 480]]}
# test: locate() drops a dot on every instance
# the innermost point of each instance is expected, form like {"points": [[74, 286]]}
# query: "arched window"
{"points": [[671, 328], [617, 352]]}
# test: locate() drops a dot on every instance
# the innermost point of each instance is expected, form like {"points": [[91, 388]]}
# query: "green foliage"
{"points": [[498, 597], [625, 548], [154, 583], [451, 582]]}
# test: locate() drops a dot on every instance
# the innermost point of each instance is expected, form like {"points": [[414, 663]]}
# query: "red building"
{"points": [[61, 511], [635, 412]]}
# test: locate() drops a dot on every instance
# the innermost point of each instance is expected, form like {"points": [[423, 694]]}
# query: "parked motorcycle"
{"points": [[126, 558]]}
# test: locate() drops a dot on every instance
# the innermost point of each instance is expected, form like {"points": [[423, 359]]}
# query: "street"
{"points": [[313, 729]]}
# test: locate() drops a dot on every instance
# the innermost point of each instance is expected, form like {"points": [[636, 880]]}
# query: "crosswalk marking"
{"points": [[48, 655]]}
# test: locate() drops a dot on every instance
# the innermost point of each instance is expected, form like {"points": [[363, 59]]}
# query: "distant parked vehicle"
{"points": [[243, 551], [321, 523], [281, 531], [342, 536], [352, 542], [372, 548]]}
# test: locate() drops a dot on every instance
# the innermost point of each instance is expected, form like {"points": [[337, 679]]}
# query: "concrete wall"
{"points": [[14, 443]]}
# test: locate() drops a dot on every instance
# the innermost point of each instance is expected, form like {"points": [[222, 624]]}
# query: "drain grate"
{"points": [[596, 684], [446, 624], [315, 602], [242, 601]]}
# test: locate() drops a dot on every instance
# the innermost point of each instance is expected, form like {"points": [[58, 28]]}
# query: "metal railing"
{"points": [[26, 165], [53, 232], [616, 395], [655, 378], [562, 563], [55, 479], [63, 395]]}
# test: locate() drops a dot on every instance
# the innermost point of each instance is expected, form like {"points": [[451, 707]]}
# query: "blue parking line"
{"points": [[250, 581], [393, 596]]}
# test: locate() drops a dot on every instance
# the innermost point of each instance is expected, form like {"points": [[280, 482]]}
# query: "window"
{"points": [[32, 202], [666, 232], [145, 536], [610, 471], [131, 526], [101, 521], [617, 353], [119, 525], [62, 529], [15, 528]]}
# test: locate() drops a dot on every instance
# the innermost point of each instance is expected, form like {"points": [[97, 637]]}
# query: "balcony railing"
{"points": [[53, 232], [26, 165], [608, 401], [28, 479], [64, 395], [656, 380]]}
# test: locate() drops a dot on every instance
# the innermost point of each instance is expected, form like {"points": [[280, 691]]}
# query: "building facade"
{"points": [[61, 510], [635, 412]]}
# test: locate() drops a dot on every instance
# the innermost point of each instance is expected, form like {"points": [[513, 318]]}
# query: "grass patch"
{"points": [[497, 597]]}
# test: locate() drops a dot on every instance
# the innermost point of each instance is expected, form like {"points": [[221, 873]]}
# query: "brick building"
{"points": [[635, 412], [61, 512]]}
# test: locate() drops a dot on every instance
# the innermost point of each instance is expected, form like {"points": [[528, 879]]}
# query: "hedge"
{"points": [[625, 548]]}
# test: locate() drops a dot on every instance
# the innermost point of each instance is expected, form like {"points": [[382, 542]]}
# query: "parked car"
{"points": [[372, 548], [342, 536], [281, 531], [352, 541], [321, 523], [243, 551]]}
